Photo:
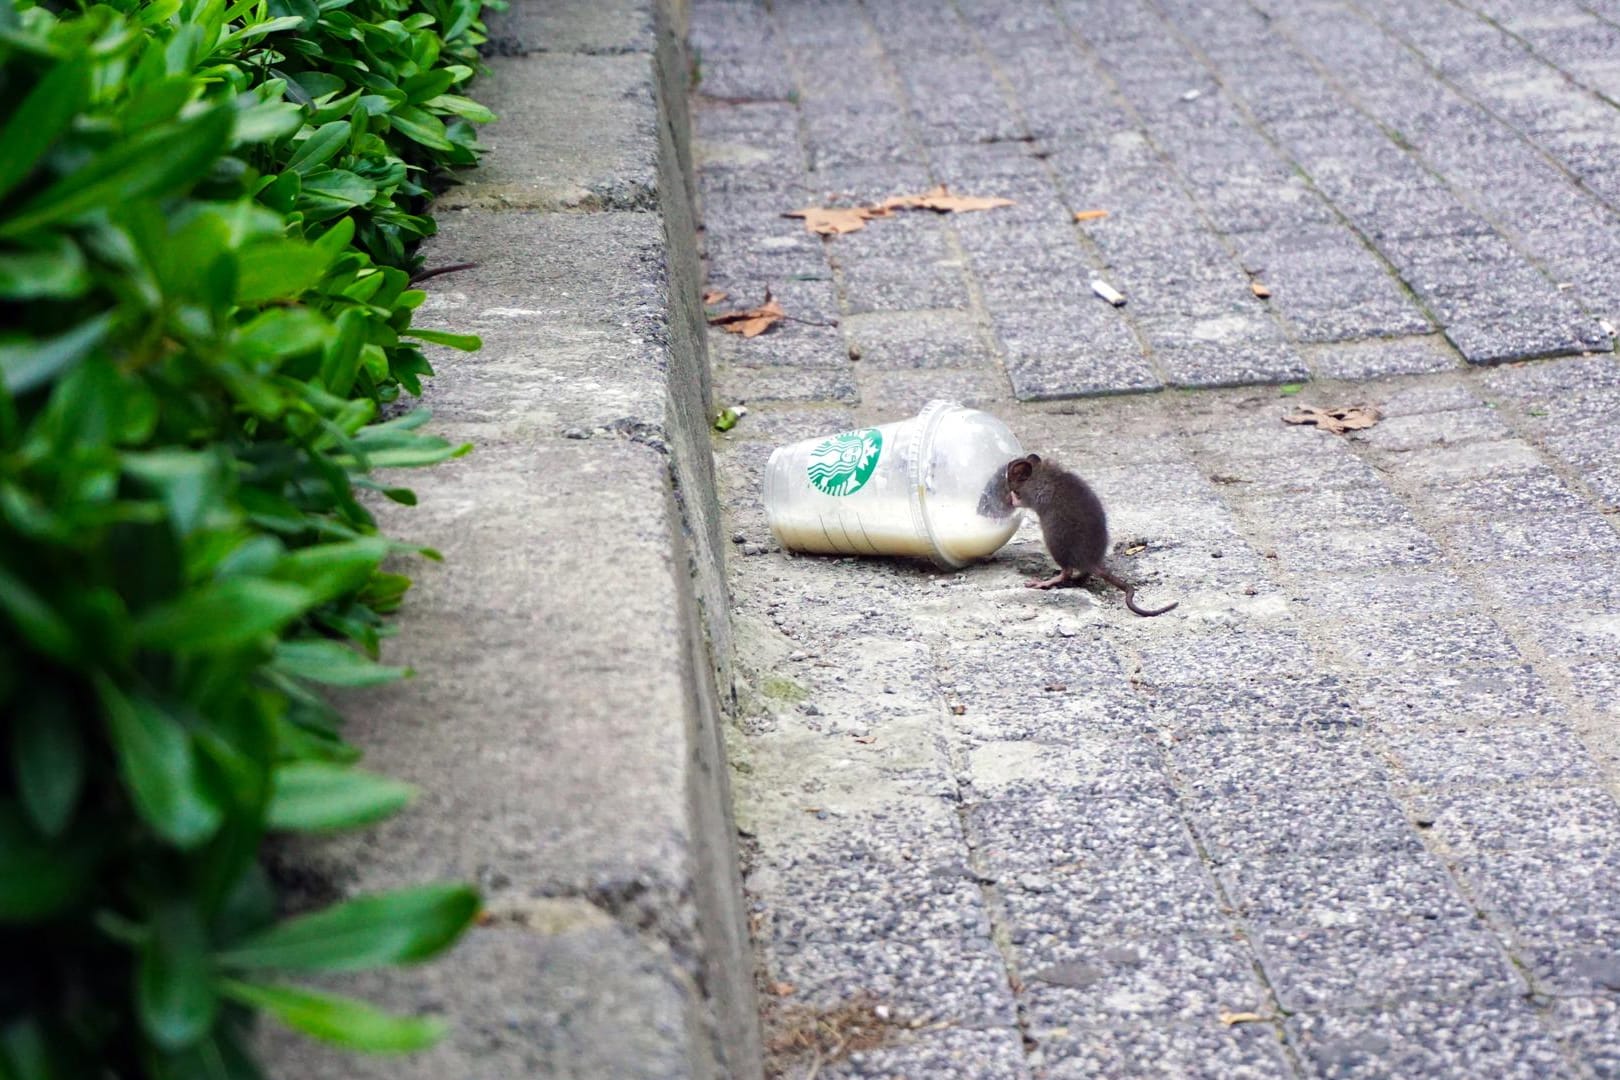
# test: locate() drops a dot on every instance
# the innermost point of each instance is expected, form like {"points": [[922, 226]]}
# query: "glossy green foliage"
{"points": [[207, 214]]}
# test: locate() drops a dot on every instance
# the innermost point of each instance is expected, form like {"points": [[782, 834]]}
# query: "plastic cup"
{"points": [[932, 487]]}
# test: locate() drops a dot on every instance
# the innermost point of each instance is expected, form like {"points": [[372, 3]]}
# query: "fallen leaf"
{"points": [[958, 709], [1089, 215], [833, 221], [1230, 1018], [727, 419], [713, 296], [1290, 389], [783, 989], [750, 323], [1259, 289], [1337, 421], [941, 200], [865, 740]]}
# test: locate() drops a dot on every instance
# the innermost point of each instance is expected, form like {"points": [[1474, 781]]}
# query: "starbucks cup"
{"points": [[933, 487]]}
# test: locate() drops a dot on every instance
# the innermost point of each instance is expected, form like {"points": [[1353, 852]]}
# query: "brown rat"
{"points": [[1073, 524]]}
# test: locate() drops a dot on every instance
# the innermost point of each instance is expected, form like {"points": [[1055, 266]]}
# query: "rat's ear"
{"points": [[1020, 470], [1033, 459]]}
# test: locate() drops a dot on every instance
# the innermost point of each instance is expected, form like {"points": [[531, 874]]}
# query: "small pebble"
{"points": [[754, 549], [810, 708], [1034, 883], [575, 433], [739, 538], [798, 655]]}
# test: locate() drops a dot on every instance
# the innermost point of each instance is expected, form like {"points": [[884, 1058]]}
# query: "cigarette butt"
{"points": [[1107, 292]]}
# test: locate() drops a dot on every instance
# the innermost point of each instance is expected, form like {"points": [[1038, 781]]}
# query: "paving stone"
{"points": [[1311, 547], [1499, 1038], [1223, 657], [1089, 766], [1590, 1028], [991, 1054], [738, 386], [1573, 633], [1198, 1051], [1269, 815], [1386, 641], [1469, 819], [1308, 705], [1358, 966], [1538, 490], [1462, 757], [1579, 583], [1217, 759], [964, 982], [1417, 589], [1176, 978], [1564, 896], [1086, 870], [1533, 537], [1404, 700], [1336, 889], [1400, 434], [1377, 359]]}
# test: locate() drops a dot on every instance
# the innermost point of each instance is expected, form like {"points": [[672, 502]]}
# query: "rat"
{"points": [[1073, 524]]}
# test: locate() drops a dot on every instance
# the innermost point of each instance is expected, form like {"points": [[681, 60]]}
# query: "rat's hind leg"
{"points": [[1055, 580]]}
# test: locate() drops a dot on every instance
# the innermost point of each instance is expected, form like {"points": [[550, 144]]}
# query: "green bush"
{"points": [[207, 215]]}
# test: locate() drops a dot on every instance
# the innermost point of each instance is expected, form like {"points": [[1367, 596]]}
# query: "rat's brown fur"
{"points": [[1073, 524]]}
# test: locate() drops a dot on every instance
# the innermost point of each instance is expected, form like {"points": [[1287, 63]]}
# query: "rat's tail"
{"points": [[1130, 594]]}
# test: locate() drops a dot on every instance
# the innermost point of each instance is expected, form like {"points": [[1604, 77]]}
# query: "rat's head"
{"points": [[1019, 473]]}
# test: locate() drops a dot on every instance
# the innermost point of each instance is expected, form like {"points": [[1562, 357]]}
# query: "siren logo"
{"points": [[843, 464]]}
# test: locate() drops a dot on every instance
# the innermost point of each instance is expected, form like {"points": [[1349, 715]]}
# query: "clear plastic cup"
{"points": [[933, 486]]}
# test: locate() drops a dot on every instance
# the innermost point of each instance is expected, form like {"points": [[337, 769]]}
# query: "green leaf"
{"points": [[159, 768], [266, 121], [464, 107], [419, 126], [284, 332], [40, 117], [428, 85], [278, 269], [339, 186], [56, 271], [1290, 389], [159, 161], [187, 480], [223, 615], [344, 1021], [464, 342], [48, 754], [36, 880], [332, 663], [328, 571], [399, 927], [30, 362], [314, 796], [40, 624], [322, 144], [174, 984]]}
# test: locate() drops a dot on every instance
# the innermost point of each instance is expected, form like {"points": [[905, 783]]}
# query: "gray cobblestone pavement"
{"points": [[1349, 810]]}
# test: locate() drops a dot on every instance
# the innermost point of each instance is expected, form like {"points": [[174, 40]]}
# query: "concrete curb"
{"points": [[564, 725]]}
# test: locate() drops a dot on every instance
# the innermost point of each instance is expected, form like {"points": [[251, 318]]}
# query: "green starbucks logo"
{"points": [[843, 464]]}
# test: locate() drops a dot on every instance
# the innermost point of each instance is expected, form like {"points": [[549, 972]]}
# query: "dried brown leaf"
{"points": [[941, 200], [1259, 289], [835, 220], [752, 322], [1089, 215], [1337, 421], [783, 989], [713, 296]]}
